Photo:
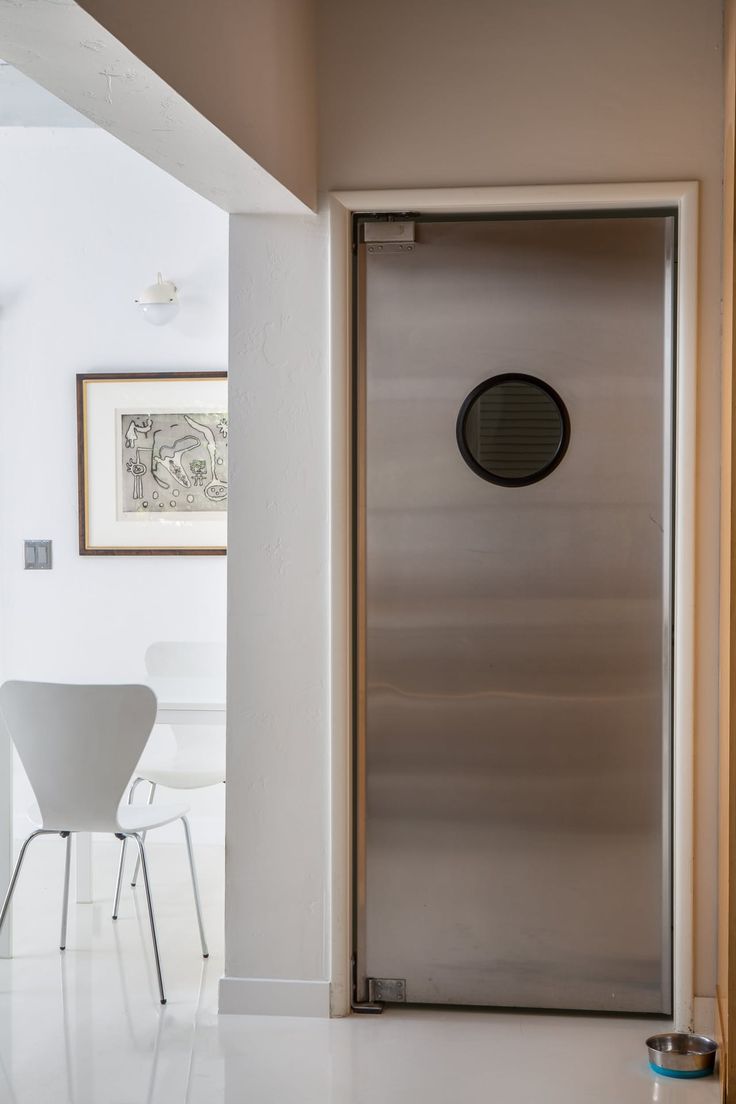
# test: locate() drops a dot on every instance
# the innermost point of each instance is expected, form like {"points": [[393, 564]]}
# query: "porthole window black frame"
{"points": [[467, 405]]}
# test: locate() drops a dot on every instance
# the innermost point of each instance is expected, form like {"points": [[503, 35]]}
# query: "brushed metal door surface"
{"points": [[514, 760]]}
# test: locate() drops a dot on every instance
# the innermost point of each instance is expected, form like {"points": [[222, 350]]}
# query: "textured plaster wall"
{"points": [[247, 65], [63, 48], [277, 917]]}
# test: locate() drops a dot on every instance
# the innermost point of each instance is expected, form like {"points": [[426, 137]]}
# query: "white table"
{"points": [[180, 702]]}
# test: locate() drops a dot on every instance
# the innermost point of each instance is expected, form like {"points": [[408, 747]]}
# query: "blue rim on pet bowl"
{"points": [[678, 1054]]}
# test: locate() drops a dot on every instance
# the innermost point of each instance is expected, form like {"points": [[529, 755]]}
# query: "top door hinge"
{"points": [[391, 235]]}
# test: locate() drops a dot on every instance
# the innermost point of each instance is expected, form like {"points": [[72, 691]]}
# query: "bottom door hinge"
{"points": [[387, 990]]}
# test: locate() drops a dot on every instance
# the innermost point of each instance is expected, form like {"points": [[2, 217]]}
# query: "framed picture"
{"points": [[152, 456]]}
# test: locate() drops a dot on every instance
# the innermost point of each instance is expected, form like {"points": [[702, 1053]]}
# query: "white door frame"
{"points": [[681, 195]]}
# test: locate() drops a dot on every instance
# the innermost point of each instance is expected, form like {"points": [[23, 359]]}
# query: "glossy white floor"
{"points": [[86, 1027]]}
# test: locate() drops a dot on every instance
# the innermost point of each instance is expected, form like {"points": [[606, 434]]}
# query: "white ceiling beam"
{"points": [[62, 48]]}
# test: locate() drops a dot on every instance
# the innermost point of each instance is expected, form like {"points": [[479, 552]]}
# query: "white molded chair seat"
{"points": [[197, 761], [197, 758], [79, 746], [141, 818], [177, 774], [193, 757], [129, 818]]}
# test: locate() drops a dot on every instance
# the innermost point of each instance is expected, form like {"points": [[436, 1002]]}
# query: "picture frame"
{"points": [[152, 463]]}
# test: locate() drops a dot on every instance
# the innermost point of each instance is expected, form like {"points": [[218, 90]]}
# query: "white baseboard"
{"points": [[274, 997]]}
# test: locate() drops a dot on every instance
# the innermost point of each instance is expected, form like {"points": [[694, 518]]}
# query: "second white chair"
{"points": [[197, 759], [79, 746]]}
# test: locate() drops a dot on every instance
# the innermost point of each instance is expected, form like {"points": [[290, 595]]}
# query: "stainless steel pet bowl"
{"points": [[677, 1054]]}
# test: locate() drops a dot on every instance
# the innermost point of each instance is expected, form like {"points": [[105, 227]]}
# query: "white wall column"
{"points": [[278, 876], [6, 834]]}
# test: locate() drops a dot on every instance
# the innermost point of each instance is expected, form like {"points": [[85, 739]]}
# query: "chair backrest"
{"points": [[186, 659], [201, 664], [205, 743], [79, 746]]}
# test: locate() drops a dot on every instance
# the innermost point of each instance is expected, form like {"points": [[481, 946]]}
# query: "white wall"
{"points": [[474, 92], [278, 585], [85, 224]]}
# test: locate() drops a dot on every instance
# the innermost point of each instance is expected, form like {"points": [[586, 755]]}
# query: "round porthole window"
{"points": [[513, 429]]}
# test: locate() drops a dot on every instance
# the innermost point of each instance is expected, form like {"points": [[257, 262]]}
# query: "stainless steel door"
{"points": [[514, 642]]}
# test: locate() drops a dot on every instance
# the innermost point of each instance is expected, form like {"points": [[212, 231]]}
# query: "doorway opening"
{"points": [[87, 224], [525, 291]]}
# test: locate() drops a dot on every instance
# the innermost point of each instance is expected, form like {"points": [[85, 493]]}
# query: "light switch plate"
{"points": [[37, 555]]}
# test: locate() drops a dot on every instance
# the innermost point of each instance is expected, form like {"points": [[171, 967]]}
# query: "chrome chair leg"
{"points": [[119, 882], [149, 902], [118, 885], [195, 887], [133, 787], [16, 872], [151, 795], [65, 899]]}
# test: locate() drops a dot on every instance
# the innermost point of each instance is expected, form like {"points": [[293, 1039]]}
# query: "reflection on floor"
{"points": [[86, 1027]]}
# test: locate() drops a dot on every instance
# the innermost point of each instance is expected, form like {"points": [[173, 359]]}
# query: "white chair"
{"points": [[197, 758], [79, 746]]}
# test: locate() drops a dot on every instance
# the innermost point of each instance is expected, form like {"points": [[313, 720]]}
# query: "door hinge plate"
{"points": [[394, 235], [387, 990]]}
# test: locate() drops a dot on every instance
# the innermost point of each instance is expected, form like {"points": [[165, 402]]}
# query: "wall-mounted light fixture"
{"points": [[159, 303]]}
